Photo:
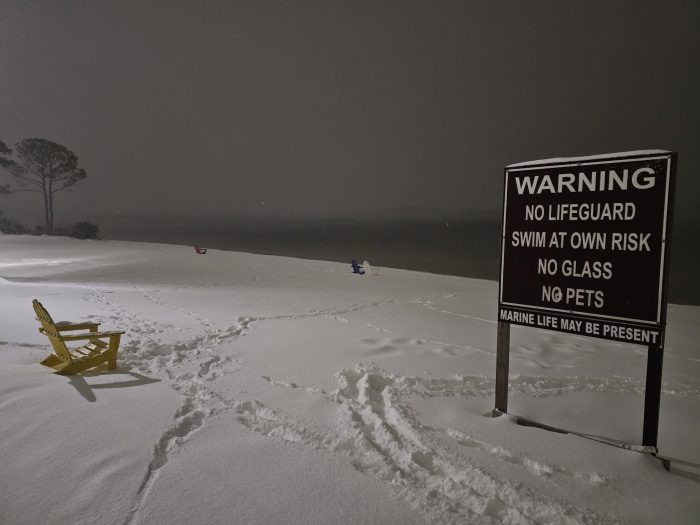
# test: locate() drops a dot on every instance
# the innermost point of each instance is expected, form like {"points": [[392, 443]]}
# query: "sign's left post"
{"points": [[502, 361]]}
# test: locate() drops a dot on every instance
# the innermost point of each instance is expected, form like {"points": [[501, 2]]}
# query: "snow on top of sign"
{"points": [[619, 154]]}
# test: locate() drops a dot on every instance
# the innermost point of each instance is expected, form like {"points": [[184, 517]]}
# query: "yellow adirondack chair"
{"points": [[67, 361]]}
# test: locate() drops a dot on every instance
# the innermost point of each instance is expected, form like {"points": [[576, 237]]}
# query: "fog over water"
{"points": [[468, 248]]}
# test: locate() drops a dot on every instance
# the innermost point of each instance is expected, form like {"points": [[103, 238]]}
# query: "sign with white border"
{"points": [[585, 245]]}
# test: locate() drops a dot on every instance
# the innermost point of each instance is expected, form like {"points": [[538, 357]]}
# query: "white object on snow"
{"points": [[370, 270]]}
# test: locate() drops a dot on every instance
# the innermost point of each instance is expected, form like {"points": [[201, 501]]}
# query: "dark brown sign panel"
{"points": [[584, 246]]}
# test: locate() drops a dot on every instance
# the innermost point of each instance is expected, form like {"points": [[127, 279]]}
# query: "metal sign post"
{"points": [[502, 364], [652, 396], [585, 250]]}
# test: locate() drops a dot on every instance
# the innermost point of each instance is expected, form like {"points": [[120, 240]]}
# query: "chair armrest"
{"points": [[87, 325], [90, 335]]}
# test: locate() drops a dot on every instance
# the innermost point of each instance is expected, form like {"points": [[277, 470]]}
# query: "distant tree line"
{"points": [[80, 230], [8, 225]]}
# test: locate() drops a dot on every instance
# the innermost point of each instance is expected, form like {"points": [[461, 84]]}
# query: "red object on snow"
{"points": [[199, 249]]}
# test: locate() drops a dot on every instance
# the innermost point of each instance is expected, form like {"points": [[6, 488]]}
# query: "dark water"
{"points": [[470, 249]]}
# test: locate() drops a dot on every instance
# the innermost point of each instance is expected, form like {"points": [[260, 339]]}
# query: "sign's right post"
{"points": [[652, 396]]}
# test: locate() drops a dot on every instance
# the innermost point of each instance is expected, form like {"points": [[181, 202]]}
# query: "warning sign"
{"points": [[585, 245]]}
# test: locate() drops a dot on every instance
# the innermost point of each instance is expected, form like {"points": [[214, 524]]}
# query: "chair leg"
{"points": [[73, 368], [112, 352], [52, 361]]}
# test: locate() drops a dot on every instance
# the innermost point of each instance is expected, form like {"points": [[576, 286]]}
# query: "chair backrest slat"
{"points": [[59, 346]]}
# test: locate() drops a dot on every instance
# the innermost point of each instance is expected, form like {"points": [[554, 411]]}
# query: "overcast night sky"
{"points": [[319, 108]]}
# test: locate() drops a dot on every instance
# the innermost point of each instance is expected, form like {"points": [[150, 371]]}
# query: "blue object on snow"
{"points": [[357, 268]]}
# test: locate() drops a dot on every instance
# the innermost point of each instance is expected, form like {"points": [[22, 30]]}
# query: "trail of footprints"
{"points": [[375, 428], [381, 436], [191, 366], [428, 303]]}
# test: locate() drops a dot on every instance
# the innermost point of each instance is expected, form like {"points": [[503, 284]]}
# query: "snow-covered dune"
{"points": [[255, 389]]}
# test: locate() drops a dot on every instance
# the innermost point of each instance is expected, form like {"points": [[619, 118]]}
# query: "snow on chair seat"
{"points": [[101, 346]]}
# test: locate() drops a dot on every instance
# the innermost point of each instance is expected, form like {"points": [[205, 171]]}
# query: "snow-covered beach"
{"points": [[256, 389]]}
